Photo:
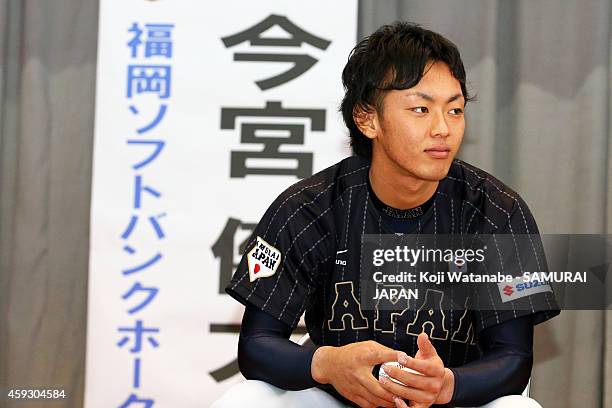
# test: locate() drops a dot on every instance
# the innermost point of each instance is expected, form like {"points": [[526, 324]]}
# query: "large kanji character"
{"points": [[297, 36]]}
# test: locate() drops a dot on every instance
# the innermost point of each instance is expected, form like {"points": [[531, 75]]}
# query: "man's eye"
{"points": [[456, 111], [420, 109]]}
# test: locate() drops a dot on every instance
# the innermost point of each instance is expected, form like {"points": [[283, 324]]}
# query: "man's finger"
{"points": [[422, 382], [399, 403], [374, 387], [427, 349], [385, 354], [426, 367], [408, 393], [365, 393]]}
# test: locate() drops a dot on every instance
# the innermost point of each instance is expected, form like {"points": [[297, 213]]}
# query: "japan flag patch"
{"points": [[263, 260]]}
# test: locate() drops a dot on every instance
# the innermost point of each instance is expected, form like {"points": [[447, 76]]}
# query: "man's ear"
{"points": [[366, 121]]}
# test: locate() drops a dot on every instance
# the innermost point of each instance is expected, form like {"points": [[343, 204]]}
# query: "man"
{"points": [[404, 103]]}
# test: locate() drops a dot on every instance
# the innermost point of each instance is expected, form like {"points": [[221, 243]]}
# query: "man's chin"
{"points": [[427, 171], [434, 177], [435, 174]]}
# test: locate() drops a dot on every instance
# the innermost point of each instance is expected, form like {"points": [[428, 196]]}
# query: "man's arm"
{"points": [[265, 352], [503, 369]]}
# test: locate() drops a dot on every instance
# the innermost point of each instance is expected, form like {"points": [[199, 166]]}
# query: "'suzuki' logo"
{"points": [[519, 287]]}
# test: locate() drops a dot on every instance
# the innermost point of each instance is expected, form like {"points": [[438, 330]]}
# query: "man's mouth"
{"points": [[438, 152]]}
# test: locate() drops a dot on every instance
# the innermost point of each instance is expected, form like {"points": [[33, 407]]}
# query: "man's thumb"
{"points": [[425, 347]]}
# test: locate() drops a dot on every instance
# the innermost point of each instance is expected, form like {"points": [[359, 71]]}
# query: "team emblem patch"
{"points": [[263, 260], [521, 287]]}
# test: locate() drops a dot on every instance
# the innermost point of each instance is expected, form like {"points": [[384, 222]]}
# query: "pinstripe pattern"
{"points": [[317, 225]]}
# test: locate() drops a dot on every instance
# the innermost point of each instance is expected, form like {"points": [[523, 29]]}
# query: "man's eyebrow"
{"points": [[432, 99], [454, 97]]}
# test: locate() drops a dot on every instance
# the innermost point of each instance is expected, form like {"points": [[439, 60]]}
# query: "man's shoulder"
{"points": [[480, 188], [326, 185]]}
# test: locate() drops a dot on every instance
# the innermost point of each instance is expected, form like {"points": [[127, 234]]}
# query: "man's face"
{"points": [[420, 129]]}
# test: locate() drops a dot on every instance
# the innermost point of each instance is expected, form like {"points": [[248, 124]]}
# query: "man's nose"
{"points": [[439, 127]]}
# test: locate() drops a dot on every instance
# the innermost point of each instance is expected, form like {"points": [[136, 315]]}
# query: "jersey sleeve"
{"points": [[514, 249], [284, 256]]}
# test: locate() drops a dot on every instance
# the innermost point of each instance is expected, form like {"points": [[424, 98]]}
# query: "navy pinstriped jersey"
{"points": [[304, 255]]}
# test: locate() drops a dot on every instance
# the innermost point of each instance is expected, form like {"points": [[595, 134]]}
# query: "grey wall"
{"points": [[47, 84]]}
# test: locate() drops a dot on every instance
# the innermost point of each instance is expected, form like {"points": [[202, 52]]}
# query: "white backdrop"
{"points": [[198, 112]]}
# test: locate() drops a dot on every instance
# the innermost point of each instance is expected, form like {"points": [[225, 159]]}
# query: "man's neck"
{"points": [[400, 191]]}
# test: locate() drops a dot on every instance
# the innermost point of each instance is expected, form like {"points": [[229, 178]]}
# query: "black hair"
{"points": [[393, 57]]}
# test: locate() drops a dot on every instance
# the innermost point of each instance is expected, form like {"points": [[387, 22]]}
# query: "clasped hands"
{"points": [[349, 370]]}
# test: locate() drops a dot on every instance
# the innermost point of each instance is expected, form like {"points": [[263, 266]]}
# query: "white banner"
{"points": [[205, 112]]}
